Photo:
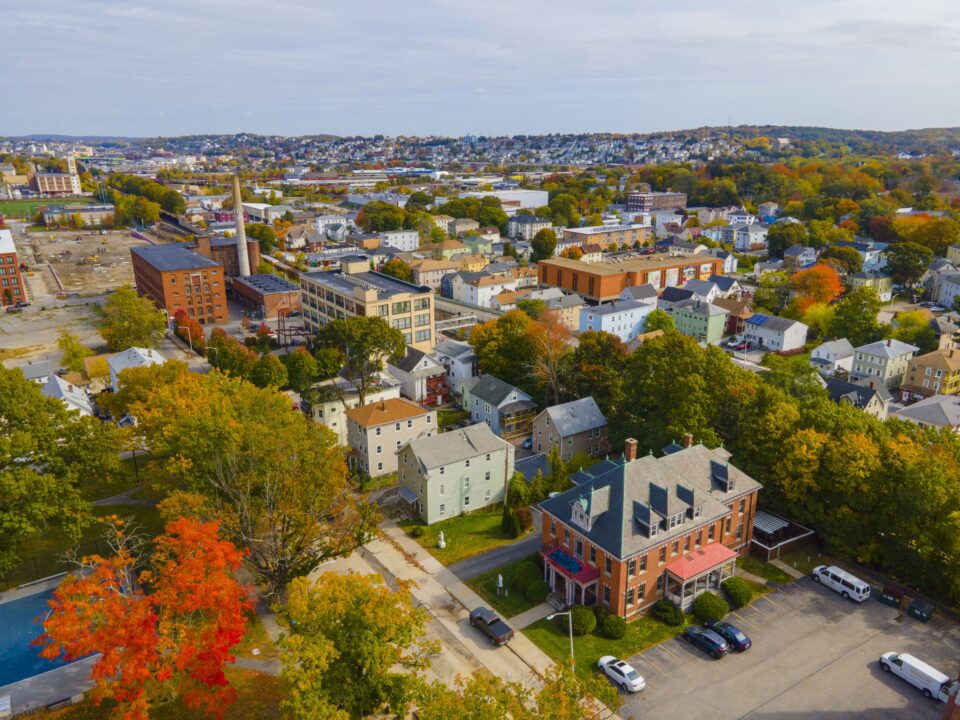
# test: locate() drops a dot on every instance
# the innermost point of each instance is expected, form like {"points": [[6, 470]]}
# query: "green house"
{"points": [[701, 320]]}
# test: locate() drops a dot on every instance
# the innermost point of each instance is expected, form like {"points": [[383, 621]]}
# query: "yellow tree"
{"points": [[552, 354]]}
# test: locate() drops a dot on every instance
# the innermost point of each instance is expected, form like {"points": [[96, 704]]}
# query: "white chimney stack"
{"points": [[243, 257]]}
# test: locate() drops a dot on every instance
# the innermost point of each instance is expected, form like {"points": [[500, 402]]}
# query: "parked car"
{"points": [[849, 586], [931, 682], [736, 637], [707, 640], [622, 674], [22, 304], [491, 625], [528, 443], [14, 309]]}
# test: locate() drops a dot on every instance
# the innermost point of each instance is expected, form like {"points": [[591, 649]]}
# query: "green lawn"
{"points": [[485, 586], [28, 208], [553, 638], [465, 536], [446, 418], [763, 569], [806, 559], [369, 484]]}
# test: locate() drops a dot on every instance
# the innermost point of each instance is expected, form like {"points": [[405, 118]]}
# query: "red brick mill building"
{"points": [[635, 530]]}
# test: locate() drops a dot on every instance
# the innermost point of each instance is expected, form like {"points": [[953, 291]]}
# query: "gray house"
{"points": [[507, 410], [446, 475], [575, 427]]}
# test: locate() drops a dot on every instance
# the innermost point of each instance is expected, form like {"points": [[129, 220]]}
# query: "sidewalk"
{"points": [[791, 571], [529, 617]]}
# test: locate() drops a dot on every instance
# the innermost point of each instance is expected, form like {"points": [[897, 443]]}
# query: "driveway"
{"points": [[479, 564], [814, 655]]}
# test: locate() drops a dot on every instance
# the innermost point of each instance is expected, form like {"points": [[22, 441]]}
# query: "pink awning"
{"points": [[699, 561]]}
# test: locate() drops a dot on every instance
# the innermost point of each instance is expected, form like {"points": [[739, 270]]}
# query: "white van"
{"points": [[850, 586], [931, 681]]}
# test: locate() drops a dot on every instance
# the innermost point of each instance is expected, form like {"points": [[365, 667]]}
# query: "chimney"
{"points": [[889, 342], [687, 440], [243, 257], [629, 449]]}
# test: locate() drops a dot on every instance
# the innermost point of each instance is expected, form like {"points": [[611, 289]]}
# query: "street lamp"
{"points": [[569, 614]]}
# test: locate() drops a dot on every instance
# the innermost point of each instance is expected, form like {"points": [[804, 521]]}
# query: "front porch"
{"points": [[572, 581], [697, 572]]}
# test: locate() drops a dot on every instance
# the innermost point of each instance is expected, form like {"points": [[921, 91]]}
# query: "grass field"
{"points": [[28, 208], [763, 569], [465, 536], [485, 585]]}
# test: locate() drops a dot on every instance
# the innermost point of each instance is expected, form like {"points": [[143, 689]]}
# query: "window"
{"points": [[676, 547], [442, 468], [422, 335], [712, 533], [553, 527], [396, 426], [607, 565], [466, 483], [698, 511], [699, 540], [631, 567], [593, 555], [466, 501], [486, 495], [660, 583], [442, 489], [641, 591], [686, 544], [379, 449], [378, 432], [643, 563], [443, 508], [629, 596], [727, 528], [578, 548], [488, 457], [743, 505], [486, 475], [739, 531], [379, 466], [566, 536], [663, 554], [467, 463]]}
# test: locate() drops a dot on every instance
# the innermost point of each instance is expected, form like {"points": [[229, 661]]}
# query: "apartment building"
{"points": [[525, 227], [430, 272], [934, 373], [574, 427], [700, 320], [623, 318], [605, 236], [355, 290], [884, 362], [634, 530], [376, 432], [11, 281], [650, 201], [177, 278], [338, 395]]}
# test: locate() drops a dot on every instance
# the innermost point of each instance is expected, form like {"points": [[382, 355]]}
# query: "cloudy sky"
{"points": [[351, 67]]}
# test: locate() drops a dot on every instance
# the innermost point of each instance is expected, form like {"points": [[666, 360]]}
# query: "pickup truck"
{"points": [[492, 626]]}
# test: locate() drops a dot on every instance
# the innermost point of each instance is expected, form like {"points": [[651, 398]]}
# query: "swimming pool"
{"points": [[18, 658]]}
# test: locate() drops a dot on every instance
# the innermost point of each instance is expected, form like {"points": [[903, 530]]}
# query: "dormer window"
{"points": [[729, 484], [676, 520], [698, 511], [653, 529]]}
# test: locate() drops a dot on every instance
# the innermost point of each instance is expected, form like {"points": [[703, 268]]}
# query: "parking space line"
{"points": [[655, 666], [776, 604], [741, 618], [671, 653]]}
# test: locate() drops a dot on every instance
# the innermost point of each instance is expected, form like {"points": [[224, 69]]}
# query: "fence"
{"points": [[38, 567]]}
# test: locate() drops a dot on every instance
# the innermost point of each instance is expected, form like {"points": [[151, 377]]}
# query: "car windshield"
{"points": [[633, 675]]}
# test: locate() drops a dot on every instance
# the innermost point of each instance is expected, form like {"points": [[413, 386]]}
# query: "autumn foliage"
{"points": [[189, 330], [818, 284], [163, 632]]}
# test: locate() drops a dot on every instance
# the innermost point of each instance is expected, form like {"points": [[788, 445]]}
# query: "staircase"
{"points": [[556, 601]]}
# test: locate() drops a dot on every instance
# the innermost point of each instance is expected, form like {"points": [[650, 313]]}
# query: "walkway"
{"points": [[791, 571], [529, 617], [479, 564]]}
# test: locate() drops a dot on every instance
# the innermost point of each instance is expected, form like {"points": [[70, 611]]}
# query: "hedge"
{"points": [[709, 606], [584, 621], [614, 627], [537, 591], [668, 613], [738, 591]]}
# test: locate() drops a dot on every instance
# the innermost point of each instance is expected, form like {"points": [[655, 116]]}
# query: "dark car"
{"points": [[736, 637], [22, 304], [491, 625], [14, 309], [706, 640]]}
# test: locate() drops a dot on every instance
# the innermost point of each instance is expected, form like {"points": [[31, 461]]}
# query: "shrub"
{"points": [[416, 531], [668, 613], [584, 621], [537, 591], [525, 518], [516, 528], [709, 606], [614, 627], [738, 591], [524, 574], [601, 612]]}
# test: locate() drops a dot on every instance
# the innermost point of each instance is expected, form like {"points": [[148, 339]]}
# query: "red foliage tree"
{"points": [[818, 284], [189, 330], [164, 632]]}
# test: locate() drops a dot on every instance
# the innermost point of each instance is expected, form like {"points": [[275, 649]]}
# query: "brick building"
{"points": [[635, 530], [650, 201], [604, 281], [176, 278], [223, 251], [11, 281], [267, 295]]}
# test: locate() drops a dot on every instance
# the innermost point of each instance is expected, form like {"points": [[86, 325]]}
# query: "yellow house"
{"points": [[472, 263]]}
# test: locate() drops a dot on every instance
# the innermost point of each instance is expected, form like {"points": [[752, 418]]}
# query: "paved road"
{"points": [[471, 567]]}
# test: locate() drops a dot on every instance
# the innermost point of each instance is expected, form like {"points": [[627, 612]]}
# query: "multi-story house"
{"points": [[623, 318], [11, 282], [458, 471], [830, 357], [376, 432], [354, 290], [458, 360], [526, 226], [462, 226], [507, 410], [775, 333], [933, 373], [430, 273], [873, 401], [700, 320], [879, 281], [134, 357], [884, 362], [949, 289], [479, 289], [337, 395], [574, 427], [745, 236], [422, 377], [798, 257], [636, 530], [403, 240]]}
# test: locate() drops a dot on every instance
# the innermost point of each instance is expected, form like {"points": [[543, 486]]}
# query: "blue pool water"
{"points": [[18, 658]]}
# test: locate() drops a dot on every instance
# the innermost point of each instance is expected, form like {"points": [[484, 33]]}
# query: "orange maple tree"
{"points": [[189, 330], [163, 632], [817, 284]]}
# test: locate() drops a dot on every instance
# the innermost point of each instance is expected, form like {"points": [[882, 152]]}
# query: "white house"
{"points": [[72, 396], [479, 288], [526, 226], [832, 356], [623, 318], [704, 290], [419, 374], [774, 333], [741, 216], [949, 289], [338, 395], [746, 236], [403, 240], [132, 358], [458, 358]]}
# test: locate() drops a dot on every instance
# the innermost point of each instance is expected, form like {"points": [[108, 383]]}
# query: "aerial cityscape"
{"points": [[423, 362]]}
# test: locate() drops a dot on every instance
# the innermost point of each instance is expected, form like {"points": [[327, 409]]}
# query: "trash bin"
{"points": [[891, 596], [920, 610]]}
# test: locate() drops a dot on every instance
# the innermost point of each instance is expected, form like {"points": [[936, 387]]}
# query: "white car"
{"points": [[622, 674]]}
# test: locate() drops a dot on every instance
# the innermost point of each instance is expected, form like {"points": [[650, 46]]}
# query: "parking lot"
{"points": [[814, 655]]}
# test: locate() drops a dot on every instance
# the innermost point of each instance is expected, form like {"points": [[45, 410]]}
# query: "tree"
{"points": [[914, 328], [269, 372], [597, 367], [190, 331], [783, 235], [822, 233], [276, 480], [303, 370], [230, 356], [817, 284], [397, 268], [659, 320], [160, 632], [264, 234], [818, 317], [505, 348], [907, 262], [544, 244], [355, 644], [846, 258], [855, 317], [73, 351], [128, 320], [380, 216], [46, 454], [552, 354], [772, 292], [419, 201], [364, 344]]}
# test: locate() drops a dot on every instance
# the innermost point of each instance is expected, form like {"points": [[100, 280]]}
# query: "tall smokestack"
{"points": [[243, 257]]}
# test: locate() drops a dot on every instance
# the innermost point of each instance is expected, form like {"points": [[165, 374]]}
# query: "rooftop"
{"points": [[937, 410], [172, 257], [385, 411], [888, 348], [629, 263], [456, 445], [385, 285], [576, 416], [267, 284], [6, 242]]}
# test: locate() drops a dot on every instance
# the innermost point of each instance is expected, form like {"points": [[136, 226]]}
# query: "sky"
{"points": [[486, 67]]}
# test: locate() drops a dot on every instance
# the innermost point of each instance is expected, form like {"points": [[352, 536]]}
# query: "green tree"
{"points": [[46, 455], [544, 244], [846, 258], [397, 268], [505, 348], [783, 235], [73, 350], [364, 344], [773, 290], [822, 233], [533, 308], [380, 216], [907, 262], [355, 644], [914, 328], [303, 370], [659, 320], [597, 368], [269, 372], [419, 201], [230, 356], [128, 320], [855, 317], [264, 234]]}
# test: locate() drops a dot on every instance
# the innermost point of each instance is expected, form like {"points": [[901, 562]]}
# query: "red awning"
{"points": [[571, 567], [699, 561]]}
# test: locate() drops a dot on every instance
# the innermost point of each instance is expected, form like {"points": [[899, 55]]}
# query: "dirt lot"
{"points": [[86, 263]]}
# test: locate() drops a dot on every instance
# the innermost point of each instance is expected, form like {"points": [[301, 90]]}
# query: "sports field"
{"points": [[27, 208]]}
